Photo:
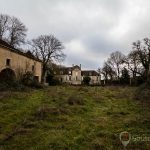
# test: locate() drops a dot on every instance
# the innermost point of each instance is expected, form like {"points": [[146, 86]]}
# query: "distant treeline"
{"points": [[133, 69]]}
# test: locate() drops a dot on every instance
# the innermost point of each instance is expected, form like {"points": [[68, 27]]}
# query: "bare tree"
{"points": [[143, 51], [4, 23], [116, 60], [17, 32], [12, 30], [108, 71], [134, 64], [47, 48]]}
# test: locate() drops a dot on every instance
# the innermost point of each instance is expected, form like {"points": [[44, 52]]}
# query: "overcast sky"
{"points": [[89, 29]]}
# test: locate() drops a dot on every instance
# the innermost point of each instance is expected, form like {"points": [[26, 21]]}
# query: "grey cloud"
{"points": [[89, 29]]}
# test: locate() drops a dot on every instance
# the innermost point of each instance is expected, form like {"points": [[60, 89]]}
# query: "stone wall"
{"points": [[19, 63]]}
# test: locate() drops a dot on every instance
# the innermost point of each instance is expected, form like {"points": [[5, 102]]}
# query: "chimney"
{"points": [[80, 66]]}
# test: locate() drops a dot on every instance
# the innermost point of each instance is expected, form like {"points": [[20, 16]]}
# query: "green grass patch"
{"points": [[72, 118]]}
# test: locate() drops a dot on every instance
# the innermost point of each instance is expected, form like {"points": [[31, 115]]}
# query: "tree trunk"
{"points": [[43, 75]]}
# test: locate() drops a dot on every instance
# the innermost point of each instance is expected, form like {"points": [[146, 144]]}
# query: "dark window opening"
{"points": [[69, 78], [61, 79], [7, 62], [36, 78], [33, 67]]}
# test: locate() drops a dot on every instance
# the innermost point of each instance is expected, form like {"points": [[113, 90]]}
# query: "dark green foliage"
{"points": [[75, 100], [8, 81], [7, 76], [29, 80], [52, 80], [143, 92], [86, 80], [12, 86], [125, 78], [138, 80], [115, 82]]}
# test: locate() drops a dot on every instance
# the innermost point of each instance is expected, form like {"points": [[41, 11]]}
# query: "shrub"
{"points": [[75, 100], [86, 80], [51, 80], [143, 92], [29, 80], [125, 78], [7, 76], [15, 85]]}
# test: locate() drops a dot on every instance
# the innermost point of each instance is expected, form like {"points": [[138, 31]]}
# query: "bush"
{"points": [[86, 80], [29, 80], [15, 85], [51, 80], [125, 78], [115, 82], [143, 92], [139, 80], [75, 100], [7, 76]]}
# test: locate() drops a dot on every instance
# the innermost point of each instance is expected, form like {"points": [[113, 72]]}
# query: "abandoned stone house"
{"points": [[74, 75], [15, 63]]}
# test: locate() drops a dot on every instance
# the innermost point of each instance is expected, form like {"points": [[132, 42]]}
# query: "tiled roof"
{"points": [[11, 48], [65, 70], [89, 73], [68, 71]]}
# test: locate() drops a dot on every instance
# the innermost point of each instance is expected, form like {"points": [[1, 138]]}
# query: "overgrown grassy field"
{"points": [[72, 118]]}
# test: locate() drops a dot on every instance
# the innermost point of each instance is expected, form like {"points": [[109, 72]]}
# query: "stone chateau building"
{"points": [[74, 75], [16, 63]]}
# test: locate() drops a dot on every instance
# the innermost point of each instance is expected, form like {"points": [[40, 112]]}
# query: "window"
{"points": [[7, 62], [97, 78], [33, 67], [36, 78], [69, 72], [69, 78], [76, 78]]}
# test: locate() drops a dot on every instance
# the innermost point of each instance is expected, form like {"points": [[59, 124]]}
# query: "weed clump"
{"points": [[44, 111], [143, 92], [75, 100], [13, 86]]}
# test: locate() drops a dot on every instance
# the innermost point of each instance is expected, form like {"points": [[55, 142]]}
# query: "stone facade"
{"points": [[18, 61], [74, 75]]}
